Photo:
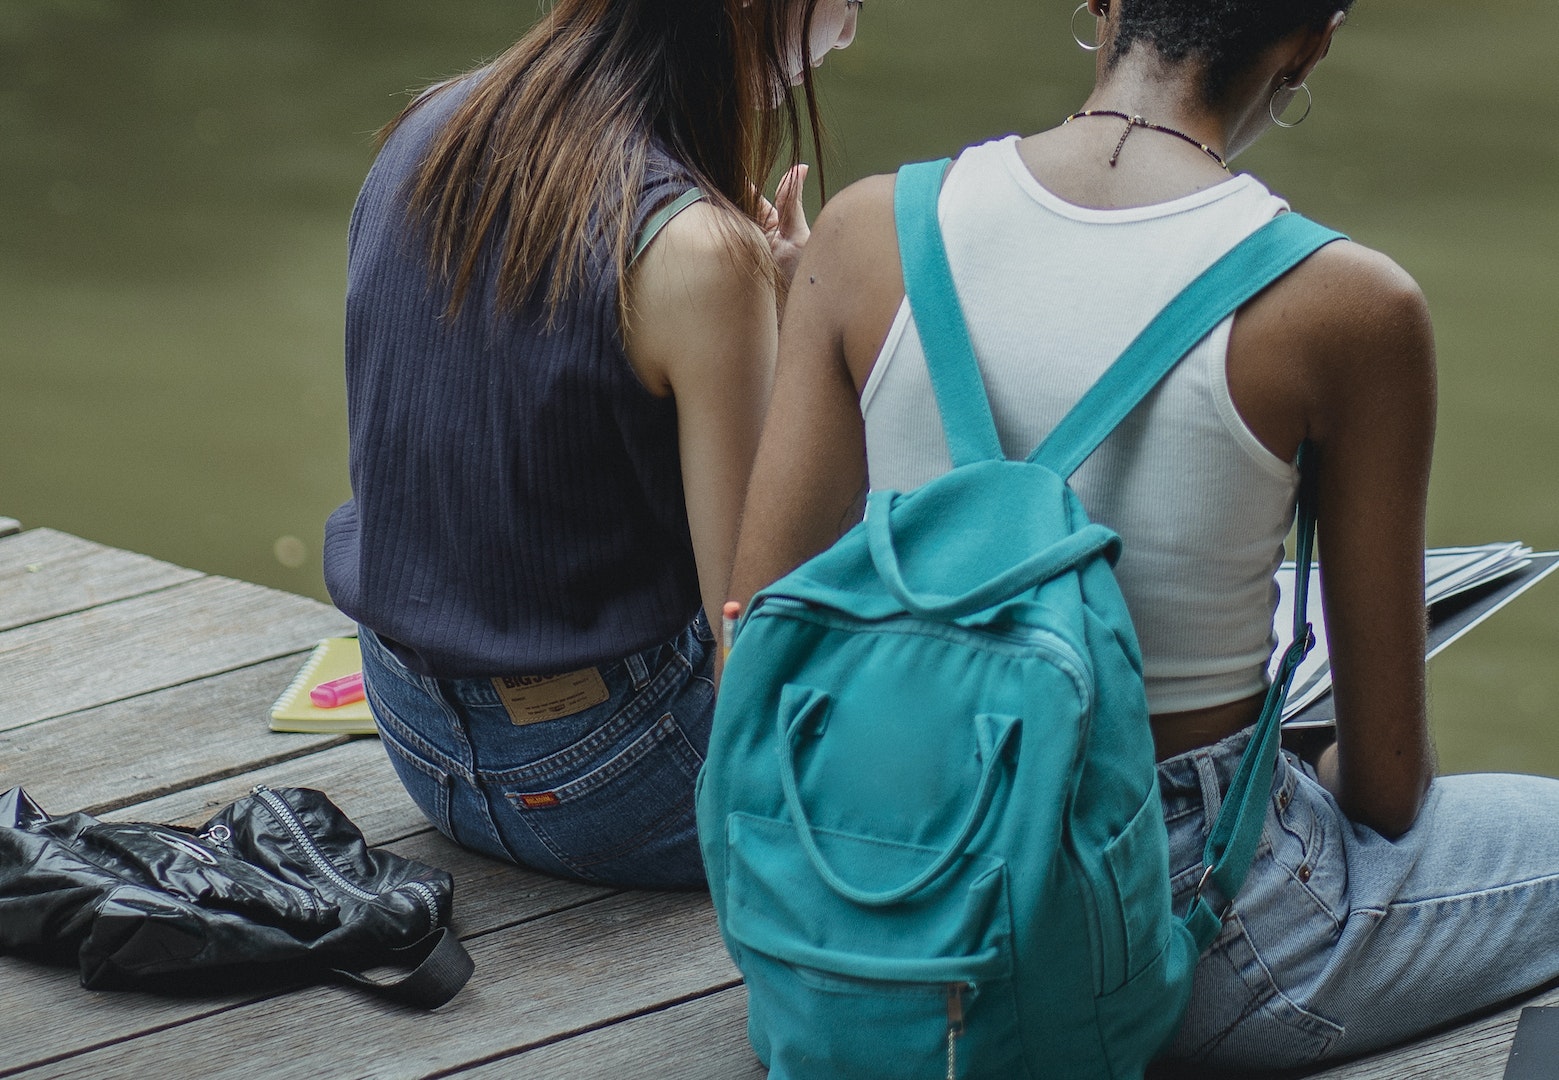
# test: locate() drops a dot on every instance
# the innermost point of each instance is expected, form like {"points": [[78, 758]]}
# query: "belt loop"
{"points": [[638, 670], [1212, 787]]}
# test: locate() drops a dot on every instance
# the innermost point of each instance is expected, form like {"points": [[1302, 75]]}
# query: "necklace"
{"points": [[1136, 122]]}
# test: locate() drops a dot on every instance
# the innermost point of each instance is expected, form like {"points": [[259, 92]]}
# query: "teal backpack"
{"points": [[930, 814]]}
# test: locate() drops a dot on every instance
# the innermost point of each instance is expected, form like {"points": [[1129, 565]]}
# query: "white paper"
{"points": [[1447, 571]]}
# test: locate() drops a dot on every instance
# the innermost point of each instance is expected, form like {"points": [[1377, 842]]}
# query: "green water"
{"points": [[175, 180]]}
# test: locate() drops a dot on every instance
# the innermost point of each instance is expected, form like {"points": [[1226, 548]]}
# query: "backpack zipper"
{"points": [[284, 813], [1028, 638], [955, 1025]]}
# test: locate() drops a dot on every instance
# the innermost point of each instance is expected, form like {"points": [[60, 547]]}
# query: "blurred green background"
{"points": [[176, 179]]}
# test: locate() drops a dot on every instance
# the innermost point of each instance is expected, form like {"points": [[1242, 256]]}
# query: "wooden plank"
{"points": [[48, 1015], [1473, 1051], [578, 970], [493, 895], [703, 1039], [130, 751], [146, 643], [45, 574], [356, 775], [184, 723]]}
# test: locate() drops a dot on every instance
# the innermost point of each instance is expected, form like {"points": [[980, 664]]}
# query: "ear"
{"points": [[1098, 8], [1309, 49]]}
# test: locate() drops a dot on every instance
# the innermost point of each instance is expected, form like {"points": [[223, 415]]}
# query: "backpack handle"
{"points": [[993, 732], [1084, 544]]}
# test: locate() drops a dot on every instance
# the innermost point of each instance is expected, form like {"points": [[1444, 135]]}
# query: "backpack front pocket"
{"points": [[1138, 865], [835, 990]]}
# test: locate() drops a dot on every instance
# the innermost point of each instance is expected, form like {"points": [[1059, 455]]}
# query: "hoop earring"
{"points": [[1272, 106], [1081, 44]]}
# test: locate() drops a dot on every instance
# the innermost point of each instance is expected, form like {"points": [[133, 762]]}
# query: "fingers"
{"points": [[768, 216], [790, 213]]}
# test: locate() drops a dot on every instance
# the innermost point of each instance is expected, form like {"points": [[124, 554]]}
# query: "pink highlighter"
{"points": [[338, 692]]}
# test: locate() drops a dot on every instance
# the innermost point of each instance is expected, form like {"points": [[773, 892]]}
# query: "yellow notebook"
{"points": [[331, 659]]}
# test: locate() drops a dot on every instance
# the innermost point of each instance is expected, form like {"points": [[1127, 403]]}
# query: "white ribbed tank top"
{"points": [[1053, 293]]}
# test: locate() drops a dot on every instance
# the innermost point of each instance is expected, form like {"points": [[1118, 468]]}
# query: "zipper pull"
{"points": [[955, 1025]]}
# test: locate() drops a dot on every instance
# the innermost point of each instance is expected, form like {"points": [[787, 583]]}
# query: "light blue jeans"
{"points": [[602, 793], [1342, 941]]}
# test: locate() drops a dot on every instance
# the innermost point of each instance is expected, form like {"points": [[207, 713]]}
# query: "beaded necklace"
{"points": [[1136, 122]]}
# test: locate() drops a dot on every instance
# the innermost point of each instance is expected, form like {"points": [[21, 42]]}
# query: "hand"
{"points": [[785, 221]]}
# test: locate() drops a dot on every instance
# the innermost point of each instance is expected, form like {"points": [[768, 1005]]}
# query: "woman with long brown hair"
{"points": [[563, 283]]}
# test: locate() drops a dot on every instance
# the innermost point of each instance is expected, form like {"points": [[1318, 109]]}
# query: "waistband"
{"points": [[1197, 780], [1191, 773]]}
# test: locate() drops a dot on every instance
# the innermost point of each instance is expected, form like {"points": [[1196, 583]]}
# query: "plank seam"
{"points": [[587, 1029], [99, 809], [13, 1070], [193, 679], [118, 600]]}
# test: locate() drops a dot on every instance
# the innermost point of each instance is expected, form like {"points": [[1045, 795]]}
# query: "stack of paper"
{"points": [[1448, 572]]}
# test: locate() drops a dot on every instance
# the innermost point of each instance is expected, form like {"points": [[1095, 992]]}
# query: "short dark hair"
{"points": [[1224, 35]]}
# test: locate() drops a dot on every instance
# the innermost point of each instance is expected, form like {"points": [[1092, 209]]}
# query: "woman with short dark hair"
{"points": [[1382, 901], [561, 322]]}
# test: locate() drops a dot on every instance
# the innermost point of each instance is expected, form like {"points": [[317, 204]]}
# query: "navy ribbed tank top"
{"points": [[517, 501]]}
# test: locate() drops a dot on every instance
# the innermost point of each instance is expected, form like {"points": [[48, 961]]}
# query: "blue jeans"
{"points": [[600, 792], [1342, 941]]}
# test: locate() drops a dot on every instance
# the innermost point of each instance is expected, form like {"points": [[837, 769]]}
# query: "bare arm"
{"points": [[703, 331], [1374, 426], [1348, 334], [810, 480]]}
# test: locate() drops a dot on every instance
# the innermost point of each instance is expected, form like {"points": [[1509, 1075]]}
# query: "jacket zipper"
{"points": [[429, 901], [220, 837], [284, 813]]}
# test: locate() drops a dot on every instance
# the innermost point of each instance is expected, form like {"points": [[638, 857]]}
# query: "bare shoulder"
{"points": [[698, 295], [864, 205], [704, 252], [1346, 329], [1345, 314], [855, 228], [1354, 299], [849, 285]]}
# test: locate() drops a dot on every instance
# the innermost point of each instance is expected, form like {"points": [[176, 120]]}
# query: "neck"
{"points": [[1161, 93], [1110, 164]]}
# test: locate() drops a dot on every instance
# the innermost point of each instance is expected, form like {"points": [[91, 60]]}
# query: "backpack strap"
{"points": [[1231, 842], [1242, 272], [939, 318], [1248, 268]]}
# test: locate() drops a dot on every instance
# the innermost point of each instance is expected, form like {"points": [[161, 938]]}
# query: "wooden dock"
{"points": [[138, 690]]}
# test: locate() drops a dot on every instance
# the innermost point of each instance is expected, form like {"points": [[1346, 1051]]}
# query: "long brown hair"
{"points": [[550, 145]]}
